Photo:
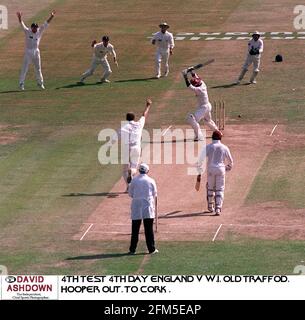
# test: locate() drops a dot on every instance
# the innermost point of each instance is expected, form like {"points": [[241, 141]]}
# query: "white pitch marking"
{"points": [[195, 38], [165, 131], [273, 129], [91, 225], [210, 38], [217, 232]]}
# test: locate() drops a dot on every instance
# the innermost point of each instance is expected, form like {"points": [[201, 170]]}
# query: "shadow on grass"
{"points": [[136, 80], [19, 91], [79, 84], [100, 194], [173, 215], [104, 256], [225, 86]]}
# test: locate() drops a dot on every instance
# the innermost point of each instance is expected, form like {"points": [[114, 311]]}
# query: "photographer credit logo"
{"points": [[29, 288], [3, 18], [299, 20], [299, 269]]}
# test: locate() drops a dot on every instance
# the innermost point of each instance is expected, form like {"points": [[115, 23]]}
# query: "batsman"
{"points": [[219, 161], [204, 108]]}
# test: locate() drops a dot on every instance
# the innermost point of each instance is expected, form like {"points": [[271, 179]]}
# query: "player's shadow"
{"points": [[19, 91], [136, 80], [225, 86], [174, 215], [79, 85], [99, 194], [103, 256]]}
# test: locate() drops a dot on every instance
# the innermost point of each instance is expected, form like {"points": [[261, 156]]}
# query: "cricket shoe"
{"points": [[154, 252], [252, 81], [217, 212], [21, 86], [158, 76], [105, 81], [166, 73], [211, 208], [237, 82], [41, 86]]}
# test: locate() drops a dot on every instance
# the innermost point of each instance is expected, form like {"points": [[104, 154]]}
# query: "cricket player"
{"points": [[130, 135], [219, 161], [143, 191], [204, 106], [100, 52], [255, 49], [33, 36], [164, 41]]}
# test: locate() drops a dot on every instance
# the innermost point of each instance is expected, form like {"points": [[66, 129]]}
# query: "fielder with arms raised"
{"points": [[204, 107], [130, 135], [33, 36], [219, 161]]}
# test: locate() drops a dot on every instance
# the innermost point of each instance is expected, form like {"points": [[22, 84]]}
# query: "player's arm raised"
{"points": [[51, 16], [19, 16], [148, 105]]}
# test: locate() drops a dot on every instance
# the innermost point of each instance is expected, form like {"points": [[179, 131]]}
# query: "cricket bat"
{"points": [[200, 65]]}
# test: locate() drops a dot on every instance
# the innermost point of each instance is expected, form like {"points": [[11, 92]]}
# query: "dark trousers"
{"points": [[149, 234]]}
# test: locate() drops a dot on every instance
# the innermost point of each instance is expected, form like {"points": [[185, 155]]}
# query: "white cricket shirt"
{"points": [[201, 94], [100, 51], [164, 41], [32, 40], [217, 153]]}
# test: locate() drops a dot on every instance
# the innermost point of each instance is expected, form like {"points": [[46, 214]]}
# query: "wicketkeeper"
{"points": [[255, 49], [218, 155]]}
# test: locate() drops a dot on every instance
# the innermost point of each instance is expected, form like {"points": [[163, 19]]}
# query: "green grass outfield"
{"points": [[55, 154]]}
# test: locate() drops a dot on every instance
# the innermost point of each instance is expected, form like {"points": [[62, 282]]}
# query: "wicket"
{"points": [[219, 114]]}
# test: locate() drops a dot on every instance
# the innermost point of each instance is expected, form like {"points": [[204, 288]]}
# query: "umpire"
{"points": [[143, 191]]}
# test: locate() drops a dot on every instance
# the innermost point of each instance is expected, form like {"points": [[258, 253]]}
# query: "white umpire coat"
{"points": [[143, 191]]}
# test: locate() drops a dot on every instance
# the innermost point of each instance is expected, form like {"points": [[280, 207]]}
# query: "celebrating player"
{"points": [[33, 36], [130, 135], [101, 50]]}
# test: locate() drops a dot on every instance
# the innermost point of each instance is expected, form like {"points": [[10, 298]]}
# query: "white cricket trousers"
{"points": [[202, 112], [255, 59], [95, 63], [31, 56], [131, 161], [162, 56], [216, 186]]}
